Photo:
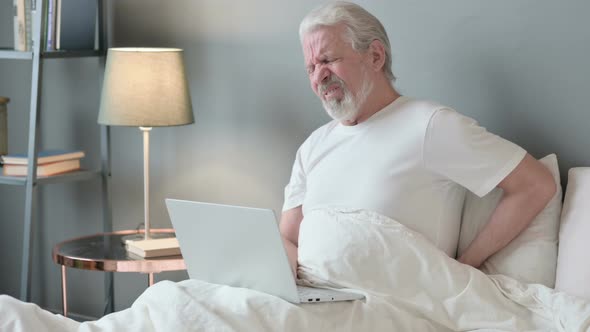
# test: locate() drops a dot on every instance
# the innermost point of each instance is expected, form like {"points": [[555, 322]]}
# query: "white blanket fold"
{"points": [[409, 285]]}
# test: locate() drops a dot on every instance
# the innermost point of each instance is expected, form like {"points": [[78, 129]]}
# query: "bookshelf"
{"points": [[31, 182]]}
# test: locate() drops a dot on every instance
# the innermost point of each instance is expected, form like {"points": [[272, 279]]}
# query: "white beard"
{"points": [[347, 108]]}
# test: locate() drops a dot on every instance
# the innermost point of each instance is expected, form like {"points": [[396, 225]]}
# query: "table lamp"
{"points": [[145, 88]]}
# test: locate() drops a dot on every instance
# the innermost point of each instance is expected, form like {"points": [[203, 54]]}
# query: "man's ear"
{"points": [[376, 53]]}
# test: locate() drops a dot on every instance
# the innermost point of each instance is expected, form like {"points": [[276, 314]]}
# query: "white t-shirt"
{"points": [[411, 161]]}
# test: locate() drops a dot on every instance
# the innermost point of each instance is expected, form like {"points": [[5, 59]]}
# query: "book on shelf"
{"points": [[43, 157], [154, 247], [75, 24], [28, 25], [49, 25], [23, 29], [20, 29], [42, 170]]}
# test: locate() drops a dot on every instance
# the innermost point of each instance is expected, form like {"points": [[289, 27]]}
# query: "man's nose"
{"points": [[322, 75]]}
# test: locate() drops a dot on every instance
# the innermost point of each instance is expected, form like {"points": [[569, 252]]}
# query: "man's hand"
{"points": [[289, 227], [527, 190]]}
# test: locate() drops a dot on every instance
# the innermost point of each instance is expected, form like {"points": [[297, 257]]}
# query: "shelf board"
{"points": [[13, 180], [71, 54], [71, 176], [12, 54], [65, 177], [19, 55]]}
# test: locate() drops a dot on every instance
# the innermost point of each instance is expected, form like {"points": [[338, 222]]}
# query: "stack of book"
{"points": [[66, 24], [153, 247], [49, 163]]}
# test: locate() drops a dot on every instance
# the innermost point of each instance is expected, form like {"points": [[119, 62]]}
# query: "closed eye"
{"points": [[327, 61]]}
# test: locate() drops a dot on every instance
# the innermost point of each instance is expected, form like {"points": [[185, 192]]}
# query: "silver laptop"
{"points": [[240, 247]]}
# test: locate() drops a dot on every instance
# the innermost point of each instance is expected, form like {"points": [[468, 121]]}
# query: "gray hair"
{"points": [[361, 26]]}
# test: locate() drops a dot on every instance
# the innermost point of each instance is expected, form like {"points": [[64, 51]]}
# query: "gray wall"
{"points": [[519, 67]]}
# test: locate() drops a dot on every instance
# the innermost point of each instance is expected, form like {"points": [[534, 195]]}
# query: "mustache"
{"points": [[333, 79]]}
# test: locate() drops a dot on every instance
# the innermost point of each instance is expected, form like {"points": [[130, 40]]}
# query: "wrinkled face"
{"points": [[338, 74]]}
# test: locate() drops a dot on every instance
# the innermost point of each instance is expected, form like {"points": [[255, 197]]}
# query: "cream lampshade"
{"points": [[145, 88]]}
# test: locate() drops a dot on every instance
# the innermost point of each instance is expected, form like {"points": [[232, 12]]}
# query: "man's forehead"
{"points": [[323, 39]]}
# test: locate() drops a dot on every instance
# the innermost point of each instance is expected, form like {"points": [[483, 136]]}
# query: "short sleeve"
{"points": [[295, 189], [456, 147]]}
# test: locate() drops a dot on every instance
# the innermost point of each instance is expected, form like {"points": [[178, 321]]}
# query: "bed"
{"points": [[409, 284]]}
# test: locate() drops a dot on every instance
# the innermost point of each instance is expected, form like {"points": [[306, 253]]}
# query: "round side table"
{"points": [[106, 252]]}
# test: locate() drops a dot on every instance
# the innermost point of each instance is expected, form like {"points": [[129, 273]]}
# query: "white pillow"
{"points": [[573, 267], [532, 256]]}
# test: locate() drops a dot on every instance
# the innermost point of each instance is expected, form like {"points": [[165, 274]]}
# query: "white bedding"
{"points": [[409, 285]]}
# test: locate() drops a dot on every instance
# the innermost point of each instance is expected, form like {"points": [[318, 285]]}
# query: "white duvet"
{"points": [[409, 285]]}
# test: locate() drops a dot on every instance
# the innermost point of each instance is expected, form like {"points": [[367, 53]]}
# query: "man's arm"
{"points": [[527, 190], [289, 227]]}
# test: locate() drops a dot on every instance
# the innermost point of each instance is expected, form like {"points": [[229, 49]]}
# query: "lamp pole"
{"points": [[146, 179]]}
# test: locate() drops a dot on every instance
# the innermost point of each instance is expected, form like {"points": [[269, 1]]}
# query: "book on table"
{"points": [[43, 157], [154, 247], [42, 170]]}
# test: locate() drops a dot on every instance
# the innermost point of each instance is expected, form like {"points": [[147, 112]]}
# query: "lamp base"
{"points": [[140, 237]]}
